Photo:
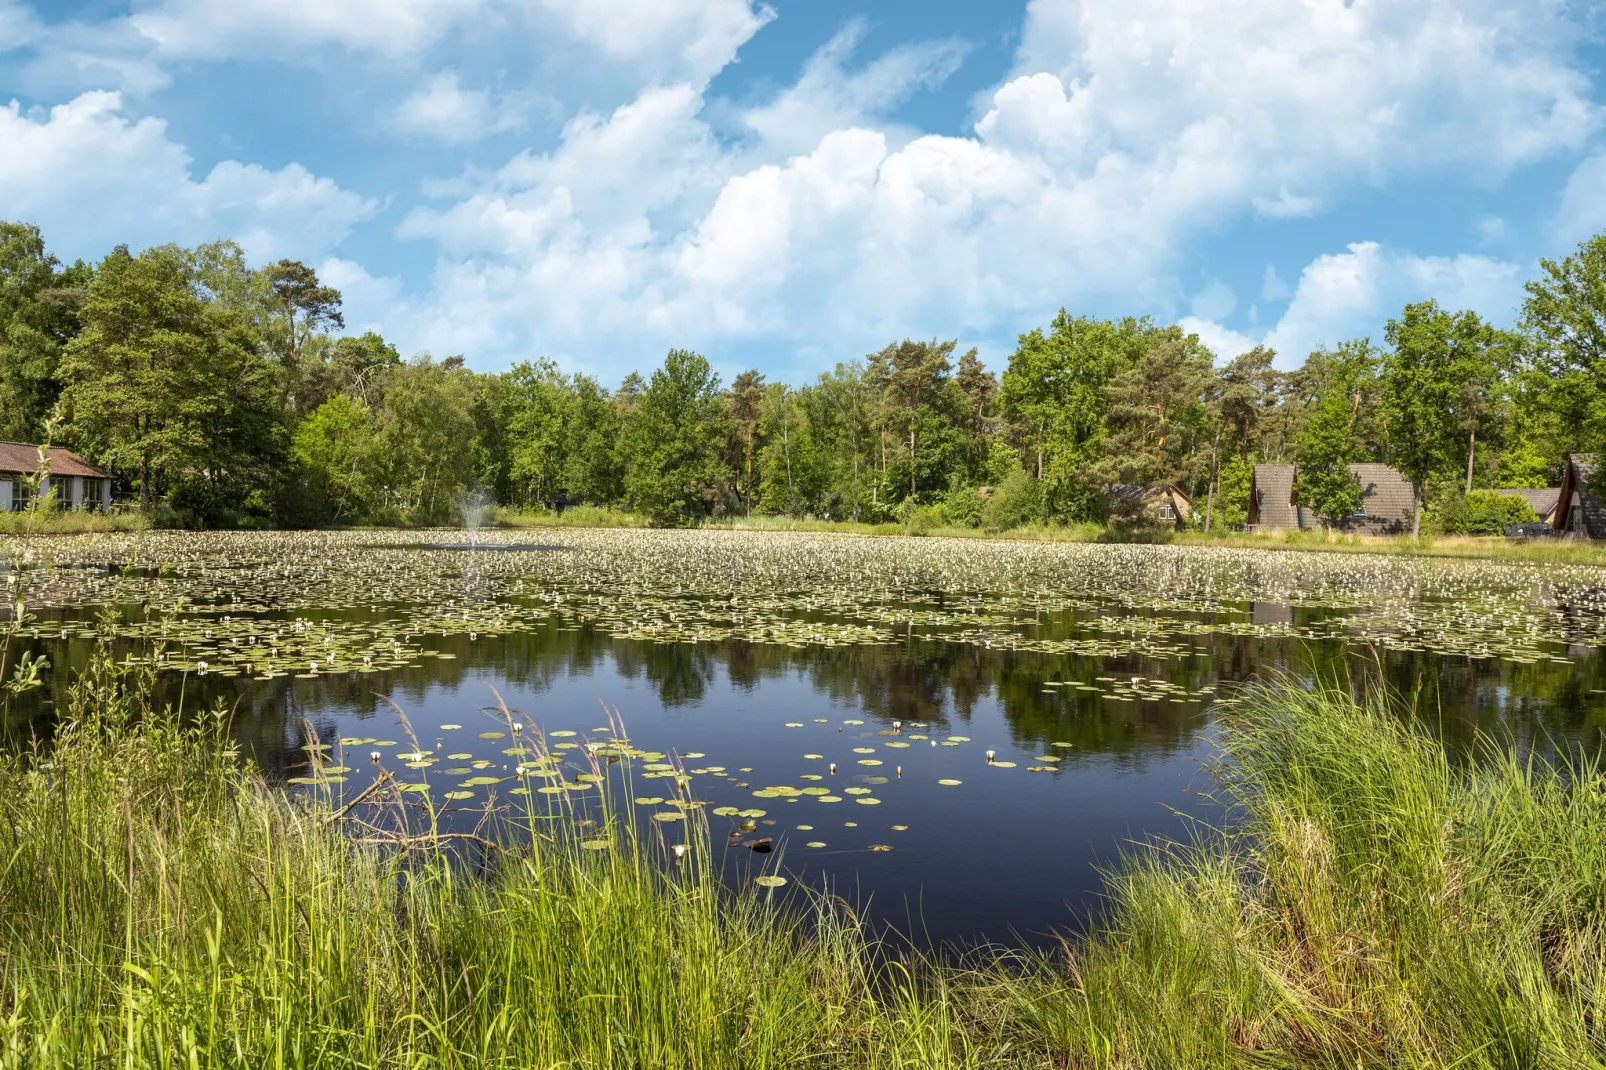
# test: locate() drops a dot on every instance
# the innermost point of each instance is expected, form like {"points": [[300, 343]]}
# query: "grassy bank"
{"points": [[1551, 550], [1374, 907], [70, 522]]}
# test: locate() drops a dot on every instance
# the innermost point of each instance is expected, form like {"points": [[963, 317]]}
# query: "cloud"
{"points": [[689, 40], [1285, 205], [827, 96], [1319, 91], [1131, 129], [1353, 293], [443, 110], [660, 40], [1583, 203], [205, 29], [89, 176]]}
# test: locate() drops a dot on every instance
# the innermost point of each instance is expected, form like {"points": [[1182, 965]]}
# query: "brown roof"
{"points": [[1387, 495], [1274, 497], [21, 457], [1594, 516], [1542, 500]]}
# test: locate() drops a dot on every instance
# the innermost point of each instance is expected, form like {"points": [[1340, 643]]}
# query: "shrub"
{"points": [[963, 507], [1016, 502], [1483, 512]]}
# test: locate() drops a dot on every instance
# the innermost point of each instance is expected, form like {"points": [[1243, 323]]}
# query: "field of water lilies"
{"points": [[615, 773]]}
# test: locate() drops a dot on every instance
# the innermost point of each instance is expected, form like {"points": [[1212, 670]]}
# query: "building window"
{"points": [[21, 495], [1359, 513], [1167, 513], [94, 500]]}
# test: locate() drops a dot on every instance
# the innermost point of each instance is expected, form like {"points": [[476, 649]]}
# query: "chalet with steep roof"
{"points": [[1154, 503], [1387, 501], [1577, 508]]}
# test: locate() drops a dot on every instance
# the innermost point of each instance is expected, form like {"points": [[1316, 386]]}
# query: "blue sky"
{"points": [[791, 184]]}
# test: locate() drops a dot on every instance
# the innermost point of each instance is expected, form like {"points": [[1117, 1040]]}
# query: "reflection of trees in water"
{"points": [[913, 680]]}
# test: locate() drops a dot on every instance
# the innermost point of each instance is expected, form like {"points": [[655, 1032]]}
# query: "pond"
{"points": [[958, 734]]}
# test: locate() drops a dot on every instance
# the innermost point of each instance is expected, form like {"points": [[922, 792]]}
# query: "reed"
{"points": [[1371, 904]]}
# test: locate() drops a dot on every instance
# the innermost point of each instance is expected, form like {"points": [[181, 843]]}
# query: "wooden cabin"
{"points": [[1577, 511], [1387, 501], [73, 481], [1152, 503]]}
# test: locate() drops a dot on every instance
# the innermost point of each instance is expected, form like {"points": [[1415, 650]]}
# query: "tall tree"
{"points": [[1433, 352], [915, 373], [1055, 391], [156, 376], [38, 316], [1241, 394], [1157, 417], [1339, 397], [746, 394], [676, 428], [302, 306]]}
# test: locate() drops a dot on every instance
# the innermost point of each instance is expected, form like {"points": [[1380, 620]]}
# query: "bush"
{"points": [[963, 507], [1016, 502], [1483, 512]]}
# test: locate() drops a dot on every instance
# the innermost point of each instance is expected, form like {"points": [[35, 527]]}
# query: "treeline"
{"points": [[221, 394]]}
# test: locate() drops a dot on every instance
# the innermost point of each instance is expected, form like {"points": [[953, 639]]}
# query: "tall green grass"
{"points": [[1371, 904]]}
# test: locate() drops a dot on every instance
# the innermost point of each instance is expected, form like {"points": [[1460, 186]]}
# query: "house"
{"points": [[1155, 503], [1273, 502], [1578, 512], [77, 483], [1542, 500], [1387, 501]]}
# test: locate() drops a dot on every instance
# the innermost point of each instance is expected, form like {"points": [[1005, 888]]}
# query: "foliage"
{"points": [[225, 394], [1482, 512], [1016, 502], [1330, 439], [1435, 385], [676, 474]]}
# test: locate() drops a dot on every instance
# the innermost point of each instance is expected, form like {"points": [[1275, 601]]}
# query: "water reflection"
{"points": [[1013, 853]]}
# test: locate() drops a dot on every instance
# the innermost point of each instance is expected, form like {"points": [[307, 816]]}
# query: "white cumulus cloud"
{"points": [[1130, 128], [1354, 293], [89, 176], [443, 110]]}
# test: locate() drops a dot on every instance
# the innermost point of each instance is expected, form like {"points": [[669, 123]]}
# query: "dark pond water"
{"points": [[1093, 754]]}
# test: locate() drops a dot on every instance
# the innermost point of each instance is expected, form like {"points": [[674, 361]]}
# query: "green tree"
{"points": [[302, 306], [673, 471], [1561, 401], [913, 374], [426, 437], [1055, 393], [1238, 399], [746, 397], [537, 421], [159, 382], [336, 447], [1429, 409], [38, 316], [1338, 399], [1157, 417]]}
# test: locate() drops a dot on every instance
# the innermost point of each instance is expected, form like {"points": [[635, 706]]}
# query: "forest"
{"points": [[225, 395]]}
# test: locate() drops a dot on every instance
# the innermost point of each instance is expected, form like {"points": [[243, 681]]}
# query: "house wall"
{"points": [[5, 493], [77, 492]]}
